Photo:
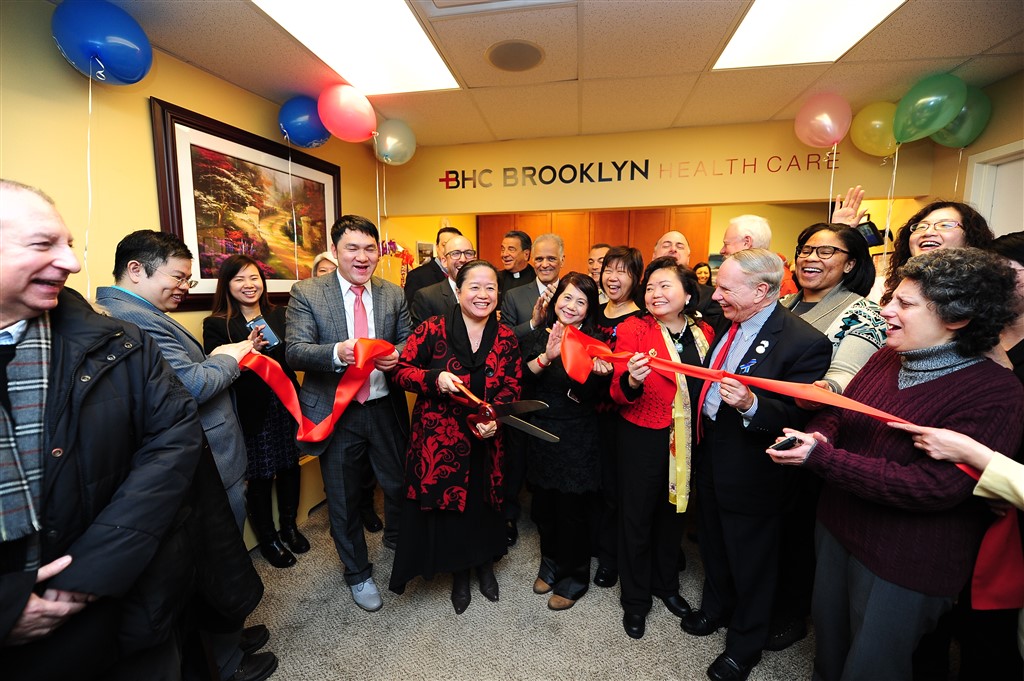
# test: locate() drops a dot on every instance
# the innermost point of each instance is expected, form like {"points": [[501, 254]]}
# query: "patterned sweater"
{"points": [[909, 519]]}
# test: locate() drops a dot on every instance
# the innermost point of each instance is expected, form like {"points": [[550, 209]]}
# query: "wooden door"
{"points": [[645, 228], [609, 227], [489, 231], [695, 224], [533, 224], [574, 228]]}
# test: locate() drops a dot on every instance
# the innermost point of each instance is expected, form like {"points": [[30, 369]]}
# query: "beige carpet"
{"points": [[319, 634]]}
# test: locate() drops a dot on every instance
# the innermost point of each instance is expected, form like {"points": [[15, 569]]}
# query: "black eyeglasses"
{"points": [[467, 254], [824, 252]]}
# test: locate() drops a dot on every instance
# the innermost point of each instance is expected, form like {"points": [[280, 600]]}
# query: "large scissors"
{"points": [[505, 413]]}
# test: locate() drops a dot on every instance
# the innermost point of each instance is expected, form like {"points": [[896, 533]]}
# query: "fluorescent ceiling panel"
{"points": [[776, 32], [378, 47]]}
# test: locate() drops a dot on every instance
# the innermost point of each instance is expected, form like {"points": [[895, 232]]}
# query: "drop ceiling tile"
{"points": [[626, 39], [550, 110], [745, 95], [1013, 45], [625, 105], [986, 69], [940, 28], [437, 118], [464, 40], [867, 82]]}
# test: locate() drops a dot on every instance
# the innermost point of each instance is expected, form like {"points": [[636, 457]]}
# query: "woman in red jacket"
{"points": [[654, 435]]}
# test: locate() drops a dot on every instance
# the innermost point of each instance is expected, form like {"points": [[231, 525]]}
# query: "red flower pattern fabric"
{"points": [[437, 462]]}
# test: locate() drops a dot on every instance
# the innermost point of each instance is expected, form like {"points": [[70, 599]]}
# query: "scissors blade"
{"points": [[528, 428], [520, 407]]}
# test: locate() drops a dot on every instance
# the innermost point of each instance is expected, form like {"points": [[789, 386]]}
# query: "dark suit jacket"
{"points": [[710, 310], [507, 281], [316, 322], [517, 308], [421, 277], [436, 299], [746, 480]]}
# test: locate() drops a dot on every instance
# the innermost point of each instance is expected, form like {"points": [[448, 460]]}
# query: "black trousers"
{"points": [[650, 530], [562, 521]]}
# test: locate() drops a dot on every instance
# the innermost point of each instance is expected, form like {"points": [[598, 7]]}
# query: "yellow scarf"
{"points": [[679, 436]]}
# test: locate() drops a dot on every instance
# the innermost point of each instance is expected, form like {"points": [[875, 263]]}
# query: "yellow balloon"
{"points": [[872, 129]]}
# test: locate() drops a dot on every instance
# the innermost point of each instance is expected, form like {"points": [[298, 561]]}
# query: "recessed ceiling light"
{"points": [[378, 47], [515, 55], [776, 32]]}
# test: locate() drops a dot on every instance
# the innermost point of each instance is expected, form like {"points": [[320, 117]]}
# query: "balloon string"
{"points": [[384, 192], [832, 178], [956, 181], [88, 185], [376, 170], [890, 199], [295, 222]]}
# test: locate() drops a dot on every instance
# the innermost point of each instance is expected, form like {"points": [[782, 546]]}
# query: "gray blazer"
{"points": [[436, 299], [207, 378], [517, 308], [316, 322]]}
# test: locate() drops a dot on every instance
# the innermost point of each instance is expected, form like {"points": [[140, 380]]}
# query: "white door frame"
{"points": [[979, 186]]}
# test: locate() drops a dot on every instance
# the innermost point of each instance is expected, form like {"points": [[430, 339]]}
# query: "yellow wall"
{"points": [[687, 166], [44, 123], [1007, 125]]}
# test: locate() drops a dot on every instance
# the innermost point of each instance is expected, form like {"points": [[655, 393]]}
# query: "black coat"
{"points": [[123, 440]]}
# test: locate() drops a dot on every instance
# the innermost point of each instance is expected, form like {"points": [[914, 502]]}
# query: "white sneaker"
{"points": [[367, 596]]}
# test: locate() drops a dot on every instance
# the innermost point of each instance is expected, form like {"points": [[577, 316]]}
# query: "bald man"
{"points": [[675, 244]]}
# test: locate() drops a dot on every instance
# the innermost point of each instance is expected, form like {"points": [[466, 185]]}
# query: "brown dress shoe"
{"points": [[557, 602], [541, 587]]}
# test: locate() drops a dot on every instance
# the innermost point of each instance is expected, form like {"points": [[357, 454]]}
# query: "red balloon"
{"points": [[346, 113]]}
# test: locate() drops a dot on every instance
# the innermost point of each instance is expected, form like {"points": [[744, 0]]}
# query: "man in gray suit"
{"points": [[439, 298], [325, 317], [523, 307], [153, 273]]}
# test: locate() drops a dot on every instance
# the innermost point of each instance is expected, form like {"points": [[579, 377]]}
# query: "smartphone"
{"points": [[267, 332], [788, 443]]}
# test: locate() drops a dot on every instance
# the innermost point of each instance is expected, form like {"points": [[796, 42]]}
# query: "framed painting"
{"points": [[225, 191]]}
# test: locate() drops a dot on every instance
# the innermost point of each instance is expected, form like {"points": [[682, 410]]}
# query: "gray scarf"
{"points": [[21, 441], [926, 364]]}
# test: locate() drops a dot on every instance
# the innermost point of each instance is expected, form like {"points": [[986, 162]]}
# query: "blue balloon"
{"points": [[102, 41], [300, 122]]}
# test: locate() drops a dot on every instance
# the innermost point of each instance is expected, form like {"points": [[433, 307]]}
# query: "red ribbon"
{"points": [[579, 349], [366, 351], [999, 569]]}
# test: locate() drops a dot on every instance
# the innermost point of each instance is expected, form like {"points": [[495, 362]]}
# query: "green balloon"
{"points": [[930, 106], [969, 123]]}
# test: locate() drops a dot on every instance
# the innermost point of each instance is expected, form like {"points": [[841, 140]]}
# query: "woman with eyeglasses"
{"points": [[897, 532], [835, 273], [241, 298], [940, 224]]}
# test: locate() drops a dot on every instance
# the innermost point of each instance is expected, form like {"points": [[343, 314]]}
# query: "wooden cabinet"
{"points": [[639, 227]]}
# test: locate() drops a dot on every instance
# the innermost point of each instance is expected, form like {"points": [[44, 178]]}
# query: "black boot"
{"points": [[257, 498], [288, 508], [460, 591], [488, 583]]}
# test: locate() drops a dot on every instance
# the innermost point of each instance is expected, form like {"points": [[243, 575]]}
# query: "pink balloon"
{"points": [[346, 113], [823, 120]]}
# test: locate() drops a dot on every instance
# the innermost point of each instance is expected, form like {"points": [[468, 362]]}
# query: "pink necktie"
{"points": [[362, 329], [717, 364]]}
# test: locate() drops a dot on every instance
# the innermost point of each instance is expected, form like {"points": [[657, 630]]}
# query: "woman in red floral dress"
{"points": [[452, 520]]}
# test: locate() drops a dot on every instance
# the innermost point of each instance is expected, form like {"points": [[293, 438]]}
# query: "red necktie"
{"points": [[362, 330], [717, 364]]}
